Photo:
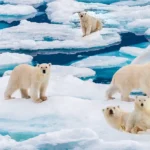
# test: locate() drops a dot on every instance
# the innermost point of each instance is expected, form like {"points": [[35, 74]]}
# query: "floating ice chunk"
{"points": [[101, 61], [143, 58], [70, 70], [132, 3], [139, 26], [33, 36], [14, 58], [134, 51], [11, 13], [35, 3]]}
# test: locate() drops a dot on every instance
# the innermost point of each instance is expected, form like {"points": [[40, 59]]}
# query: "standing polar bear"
{"points": [[89, 24], [24, 77], [128, 78]]}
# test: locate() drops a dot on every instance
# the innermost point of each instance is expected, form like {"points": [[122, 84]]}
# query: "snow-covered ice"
{"points": [[130, 50], [101, 62], [32, 36], [11, 13], [14, 59], [71, 118], [34, 3]]}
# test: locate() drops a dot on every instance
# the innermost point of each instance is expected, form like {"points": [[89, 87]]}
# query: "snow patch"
{"points": [[134, 51], [14, 58], [101, 61]]}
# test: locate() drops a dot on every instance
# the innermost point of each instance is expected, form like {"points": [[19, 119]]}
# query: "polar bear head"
{"points": [[111, 111], [141, 103], [44, 68], [83, 16]]}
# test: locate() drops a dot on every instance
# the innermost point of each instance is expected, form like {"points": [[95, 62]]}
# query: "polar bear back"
{"points": [[22, 75]]}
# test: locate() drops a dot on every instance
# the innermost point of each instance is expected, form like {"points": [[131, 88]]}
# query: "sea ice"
{"points": [[101, 62]]}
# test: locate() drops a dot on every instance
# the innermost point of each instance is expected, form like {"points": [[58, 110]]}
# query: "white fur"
{"points": [[134, 76], [89, 24], [24, 77]]}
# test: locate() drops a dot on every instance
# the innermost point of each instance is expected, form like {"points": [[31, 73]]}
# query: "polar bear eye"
{"points": [[114, 107], [46, 67], [107, 108], [144, 100], [139, 100]]}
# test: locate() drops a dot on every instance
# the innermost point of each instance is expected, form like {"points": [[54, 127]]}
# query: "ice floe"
{"points": [[14, 59], [71, 118], [101, 61], [134, 51], [11, 13], [34, 36], [35, 3]]}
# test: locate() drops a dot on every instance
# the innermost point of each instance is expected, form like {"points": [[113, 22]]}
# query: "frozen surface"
{"points": [[113, 16], [134, 51], [101, 61], [24, 2], [11, 13], [14, 58], [71, 118], [37, 36]]}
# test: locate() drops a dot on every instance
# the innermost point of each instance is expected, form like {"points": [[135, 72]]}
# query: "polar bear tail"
{"points": [[111, 90]]}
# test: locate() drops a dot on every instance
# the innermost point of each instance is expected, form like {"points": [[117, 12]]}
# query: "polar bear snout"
{"points": [[111, 112], [44, 71], [142, 104]]}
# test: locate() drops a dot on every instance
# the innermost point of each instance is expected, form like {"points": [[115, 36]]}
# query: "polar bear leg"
{"points": [[88, 30], [125, 95], [34, 93], [83, 30], [42, 91], [24, 93], [9, 91]]}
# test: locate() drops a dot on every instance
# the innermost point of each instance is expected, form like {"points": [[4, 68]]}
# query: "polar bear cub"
{"points": [[24, 77], [134, 76], [139, 120], [116, 117], [88, 23]]}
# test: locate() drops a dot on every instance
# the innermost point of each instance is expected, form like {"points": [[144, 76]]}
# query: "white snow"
{"points": [[11, 13], [14, 58], [134, 51], [35, 3], [101, 61], [30, 35], [115, 15], [65, 118], [71, 70], [139, 26]]}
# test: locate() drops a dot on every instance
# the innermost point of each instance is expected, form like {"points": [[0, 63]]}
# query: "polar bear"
{"points": [[133, 76], [116, 117], [24, 77], [139, 119], [89, 24]]}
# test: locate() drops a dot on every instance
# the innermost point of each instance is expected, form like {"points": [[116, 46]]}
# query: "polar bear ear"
{"points": [[49, 64], [136, 97], [118, 106]]}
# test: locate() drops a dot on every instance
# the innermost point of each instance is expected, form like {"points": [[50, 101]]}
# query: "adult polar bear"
{"points": [[89, 24], [134, 76], [24, 77]]}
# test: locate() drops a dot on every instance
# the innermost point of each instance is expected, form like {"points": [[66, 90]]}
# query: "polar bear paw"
{"points": [[39, 100], [44, 98]]}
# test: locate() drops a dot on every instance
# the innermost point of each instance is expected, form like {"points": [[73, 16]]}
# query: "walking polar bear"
{"points": [[24, 77], [128, 78], [89, 24], [131, 122]]}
